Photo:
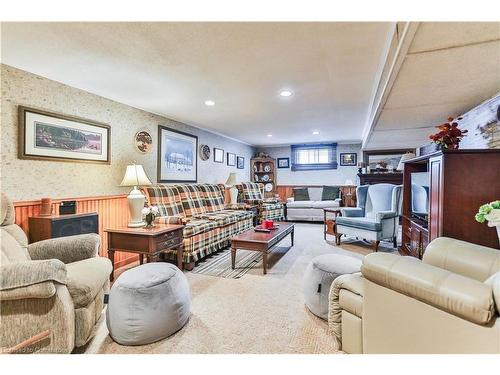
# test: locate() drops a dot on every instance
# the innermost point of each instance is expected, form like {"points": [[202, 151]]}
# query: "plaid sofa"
{"points": [[269, 208], [209, 226]]}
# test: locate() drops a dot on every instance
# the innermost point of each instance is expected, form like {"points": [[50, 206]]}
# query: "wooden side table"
{"points": [[329, 224], [145, 241]]}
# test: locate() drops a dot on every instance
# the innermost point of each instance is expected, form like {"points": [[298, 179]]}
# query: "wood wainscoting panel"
{"points": [[112, 211]]}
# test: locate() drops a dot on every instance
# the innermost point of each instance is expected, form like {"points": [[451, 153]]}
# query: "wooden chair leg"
{"points": [[337, 239], [188, 266], [376, 245]]}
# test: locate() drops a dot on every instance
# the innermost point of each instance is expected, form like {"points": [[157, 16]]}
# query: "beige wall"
{"points": [[33, 179], [286, 176]]}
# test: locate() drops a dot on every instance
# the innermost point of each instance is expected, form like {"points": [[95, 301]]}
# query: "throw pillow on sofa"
{"points": [[330, 193], [300, 194]]}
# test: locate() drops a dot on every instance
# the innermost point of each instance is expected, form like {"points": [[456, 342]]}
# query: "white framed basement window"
{"points": [[314, 156]]}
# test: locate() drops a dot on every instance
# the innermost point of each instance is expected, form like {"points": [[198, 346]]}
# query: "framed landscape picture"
{"points": [[53, 136], [348, 159], [283, 162], [231, 159], [177, 156], [240, 162], [218, 155]]}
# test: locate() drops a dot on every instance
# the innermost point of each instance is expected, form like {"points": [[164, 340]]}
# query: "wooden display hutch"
{"points": [[459, 182], [261, 167]]}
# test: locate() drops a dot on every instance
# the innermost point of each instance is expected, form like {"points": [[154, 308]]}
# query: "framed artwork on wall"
{"points": [[143, 141], [231, 159], [240, 162], [53, 136], [177, 156], [283, 162], [384, 160], [218, 155], [348, 159]]}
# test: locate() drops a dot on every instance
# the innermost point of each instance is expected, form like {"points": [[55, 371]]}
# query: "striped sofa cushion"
{"points": [[213, 197], [192, 200], [226, 217], [166, 198], [197, 226], [251, 191]]}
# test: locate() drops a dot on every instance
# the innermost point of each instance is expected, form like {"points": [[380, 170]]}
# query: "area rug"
{"points": [[219, 264]]}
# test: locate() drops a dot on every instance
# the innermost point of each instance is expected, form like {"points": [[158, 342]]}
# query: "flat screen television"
{"points": [[420, 195]]}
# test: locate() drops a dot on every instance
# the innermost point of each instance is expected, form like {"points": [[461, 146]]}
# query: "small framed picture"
{"points": [[283, 162], [218, 155], [231, 159], [240, 162], [348, 159]]}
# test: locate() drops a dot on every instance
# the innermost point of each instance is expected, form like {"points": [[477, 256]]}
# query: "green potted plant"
{"points": [[490, 212]]}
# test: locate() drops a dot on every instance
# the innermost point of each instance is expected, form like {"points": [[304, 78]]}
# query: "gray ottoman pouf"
{"points": [[148, 303], [319, 276]]}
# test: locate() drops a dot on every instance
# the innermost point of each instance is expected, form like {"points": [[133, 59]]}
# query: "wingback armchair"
{"points": [[56, 285], [448, 302], [376, 216]]}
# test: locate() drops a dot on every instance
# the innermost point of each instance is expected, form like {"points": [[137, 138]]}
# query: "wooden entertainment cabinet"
{"points": [[459, 182]]}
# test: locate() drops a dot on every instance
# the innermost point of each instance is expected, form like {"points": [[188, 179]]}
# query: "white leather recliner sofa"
{"points": [[447, 303]]}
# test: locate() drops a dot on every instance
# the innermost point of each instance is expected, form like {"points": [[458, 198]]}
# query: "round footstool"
{"points": [[319, 276], [148, 303]]}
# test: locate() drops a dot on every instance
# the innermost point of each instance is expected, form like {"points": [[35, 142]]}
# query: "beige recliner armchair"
{"points": [[56, 285], [447, 303]]}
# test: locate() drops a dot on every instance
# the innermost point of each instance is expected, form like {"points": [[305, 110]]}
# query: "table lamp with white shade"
{"points": [[233, 191], [135, 176], [404, 157]]}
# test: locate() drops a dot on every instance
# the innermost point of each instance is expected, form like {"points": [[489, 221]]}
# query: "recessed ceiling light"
{"points": [[209, 103], [315, 132], [269, 135], [285, 93]]}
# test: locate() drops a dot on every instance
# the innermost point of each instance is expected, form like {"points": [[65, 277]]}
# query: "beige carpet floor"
{"points": [[254, 314]]}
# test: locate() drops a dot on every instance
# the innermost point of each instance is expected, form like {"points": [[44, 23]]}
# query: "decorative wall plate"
{"points": [[267, 168], [265, 177], [143, 141], [204, 152], [268, 187]]}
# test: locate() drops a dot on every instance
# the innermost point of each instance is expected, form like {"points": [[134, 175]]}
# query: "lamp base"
{"points": [[233, 192], [135, 205]]}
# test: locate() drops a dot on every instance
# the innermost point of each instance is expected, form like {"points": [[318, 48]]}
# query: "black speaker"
{"points": [[70, 226], [67, 208]]}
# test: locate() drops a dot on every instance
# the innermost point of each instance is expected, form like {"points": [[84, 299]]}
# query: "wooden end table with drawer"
{"points": [[150, 242]]}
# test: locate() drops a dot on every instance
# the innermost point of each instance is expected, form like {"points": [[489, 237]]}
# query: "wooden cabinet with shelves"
{"points": [[460, 181], [263, 171]]}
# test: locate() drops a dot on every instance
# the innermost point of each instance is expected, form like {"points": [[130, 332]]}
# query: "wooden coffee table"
{"points": [[260, 241]]}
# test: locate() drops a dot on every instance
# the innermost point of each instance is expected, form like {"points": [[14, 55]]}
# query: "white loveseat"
{"points": [[311, 210]]}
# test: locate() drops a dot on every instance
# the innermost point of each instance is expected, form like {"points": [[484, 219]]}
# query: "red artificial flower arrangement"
{"points": [[449, 135]]}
